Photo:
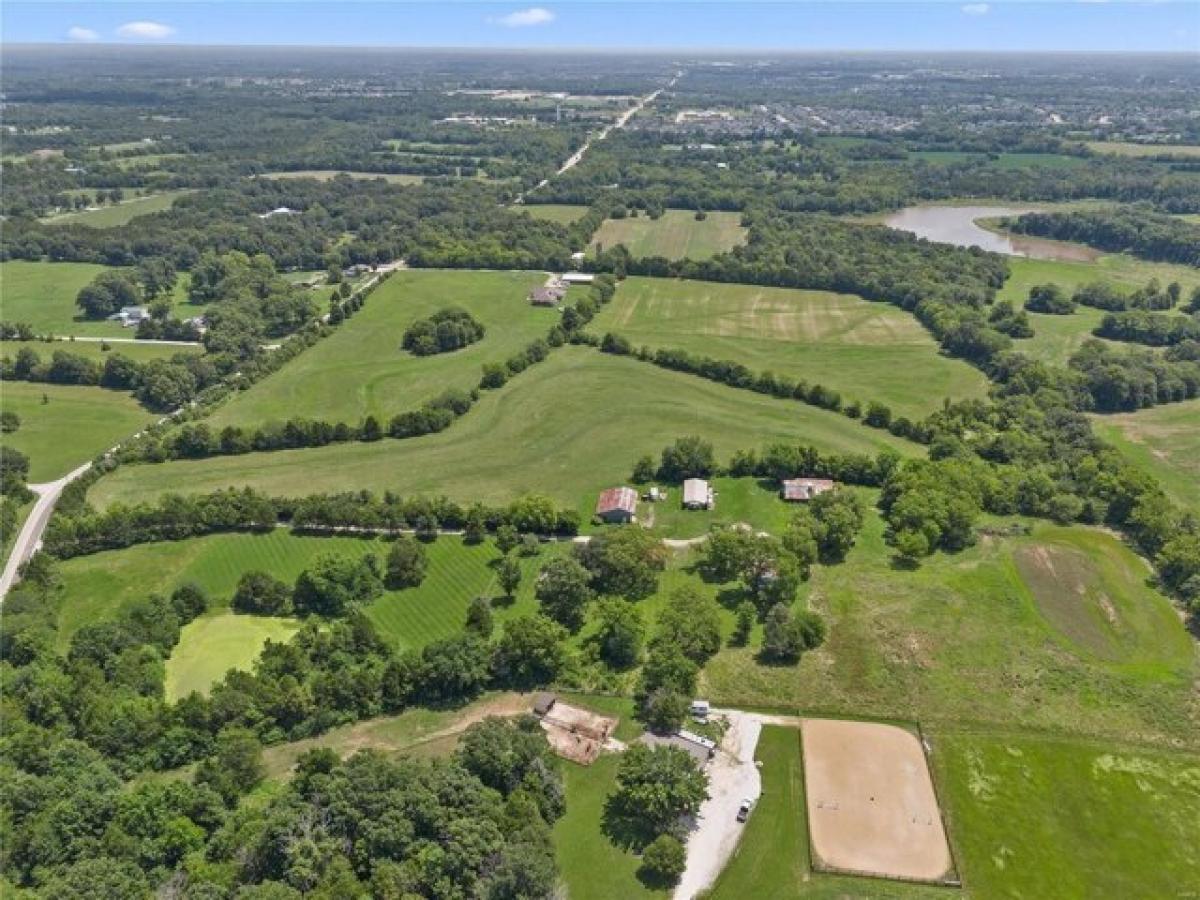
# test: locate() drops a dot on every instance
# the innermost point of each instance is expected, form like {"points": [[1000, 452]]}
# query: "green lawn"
{"points": [[112, 215], [567, 427], [212, 645], [562, 213], [867, 351], [1163, 441], [675, 235], [72, 426], [989, 635], [43, 295], [330, 174], [1057, 337], [361, 369], [1033, 817]]}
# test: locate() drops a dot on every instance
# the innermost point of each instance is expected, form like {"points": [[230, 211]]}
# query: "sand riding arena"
{"points": [[872, 809]]}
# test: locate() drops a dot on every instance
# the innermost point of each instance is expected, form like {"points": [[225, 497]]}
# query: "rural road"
{"points": [[30, 535], [125, 340], [732, 778]]}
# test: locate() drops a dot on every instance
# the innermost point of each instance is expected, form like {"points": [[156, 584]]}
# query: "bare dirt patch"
{"points": [[871, 804], [577, 734]]}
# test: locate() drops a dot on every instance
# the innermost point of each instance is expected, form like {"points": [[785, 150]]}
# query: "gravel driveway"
{"points": [[733, 777]]}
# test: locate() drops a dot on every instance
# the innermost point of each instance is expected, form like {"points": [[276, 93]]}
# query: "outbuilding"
{"points": [[798, 490], [617, 504], [545, 296], [697, 494], [578, 277]]}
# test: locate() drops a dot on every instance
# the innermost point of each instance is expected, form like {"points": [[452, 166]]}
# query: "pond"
{"points": [[958, 225]]}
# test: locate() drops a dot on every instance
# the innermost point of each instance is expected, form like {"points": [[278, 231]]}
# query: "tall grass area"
{"points": [[567, 427], [361, 369], [64, 426], [1163, 441], [988, 635], [676, 234], [868, 351]]}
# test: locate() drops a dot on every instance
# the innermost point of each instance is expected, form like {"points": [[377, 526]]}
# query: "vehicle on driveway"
{"points": [[743, 812]]}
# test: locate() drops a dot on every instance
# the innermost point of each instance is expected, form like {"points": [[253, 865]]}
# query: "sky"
{"points": [[1111, 25]]}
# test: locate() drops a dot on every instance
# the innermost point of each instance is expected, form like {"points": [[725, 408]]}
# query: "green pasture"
{"points": [[1126, 148], [1056, 631], [361, 369], [112, 215], [867, 351], [64, 426], [1057, 337], [1002, 161], [43, 295], [142, 351], [676, 234], [212, 645], [567, 427], [330, 174], [1163, 441], [562, 213], [1048, 817]]}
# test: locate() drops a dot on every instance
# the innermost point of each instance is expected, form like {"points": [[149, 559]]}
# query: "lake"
{"points": [[957, 225]]}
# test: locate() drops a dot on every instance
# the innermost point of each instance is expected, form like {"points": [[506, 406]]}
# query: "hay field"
{"points": [[675, 235], [1163, 441]]}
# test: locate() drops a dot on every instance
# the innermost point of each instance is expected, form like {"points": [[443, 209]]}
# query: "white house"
{"points": [[130, 316]]}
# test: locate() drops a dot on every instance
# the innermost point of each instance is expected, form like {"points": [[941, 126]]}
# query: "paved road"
{"points": [[29, 538]]}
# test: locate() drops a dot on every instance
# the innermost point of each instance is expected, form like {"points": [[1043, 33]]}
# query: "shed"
{"points": [[697, 494], [796, 490], [578, 277], [617, 504]]}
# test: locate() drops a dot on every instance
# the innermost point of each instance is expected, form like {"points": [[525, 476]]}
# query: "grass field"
{"points": [[43, 295], [562, 213], [1057, 818], [1003, 161], [113, 215], [71, 427], [361, 369], [1122, 148], [675, 235], [330, 174], [839, 340], [142, 351], [212, 645], [977, 638], [1163, 441], [1057, 337], [567, 427]]}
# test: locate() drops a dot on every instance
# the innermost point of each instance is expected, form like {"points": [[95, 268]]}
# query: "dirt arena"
{"points": [[871, 805]]}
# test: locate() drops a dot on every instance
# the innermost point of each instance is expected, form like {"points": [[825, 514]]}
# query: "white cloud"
{"points": [[145, 31], [523, 18], [82, 35], [976, 9]]}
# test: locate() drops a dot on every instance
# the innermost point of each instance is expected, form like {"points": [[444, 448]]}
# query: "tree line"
{"points": [[1135, 229]]}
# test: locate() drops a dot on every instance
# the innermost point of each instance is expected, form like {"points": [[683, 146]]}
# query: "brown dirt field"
{"points": [[577, 734], [871, 804]]}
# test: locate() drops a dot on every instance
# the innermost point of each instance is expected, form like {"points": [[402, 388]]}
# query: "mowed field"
{"points": [[1125, 148], [1163, 441], [362, 370], [63, 426], [142, 351], [567, 427], [43, 294], [675, 235], [867, 351], [112, 215], [1057, 337], [212, 645]]}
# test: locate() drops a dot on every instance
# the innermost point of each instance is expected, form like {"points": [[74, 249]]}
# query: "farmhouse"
{"points": [[701, 749], [617, 504], [697, 494], [795, 490], [129, 316], [547, 295]]}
